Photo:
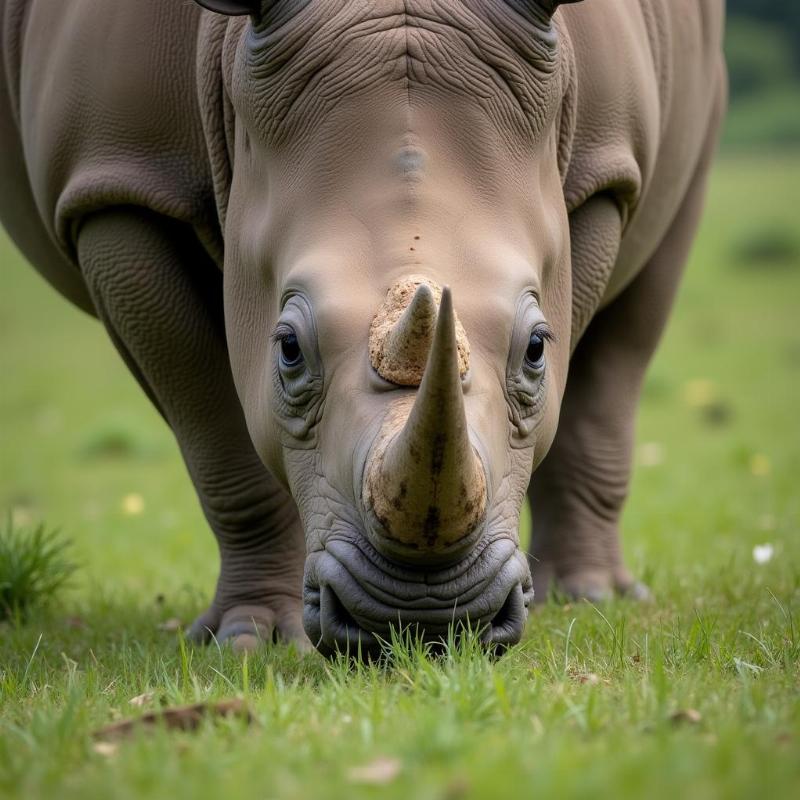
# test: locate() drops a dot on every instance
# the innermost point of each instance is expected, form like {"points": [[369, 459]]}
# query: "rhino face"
{"points": [[397, 295]]}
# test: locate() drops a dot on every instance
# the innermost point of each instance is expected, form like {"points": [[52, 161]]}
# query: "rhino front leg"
{"points": [[160, 298], [577, 494]]}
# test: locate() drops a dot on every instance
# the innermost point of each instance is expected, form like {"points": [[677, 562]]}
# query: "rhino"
{"points": [[372, 261]]}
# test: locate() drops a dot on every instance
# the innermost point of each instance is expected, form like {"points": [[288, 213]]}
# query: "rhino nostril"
{"points": [[334, 612], [507, 625], [340, 632]]}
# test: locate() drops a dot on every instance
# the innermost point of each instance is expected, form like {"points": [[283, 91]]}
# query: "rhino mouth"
{"points": [[354, 597]]}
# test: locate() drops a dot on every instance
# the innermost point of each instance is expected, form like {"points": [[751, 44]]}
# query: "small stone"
{"points": [[171, 625]]}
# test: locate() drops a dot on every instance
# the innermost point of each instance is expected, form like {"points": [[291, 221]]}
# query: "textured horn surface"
{"points": [[405, 348], [425, 483], [402, 331]]}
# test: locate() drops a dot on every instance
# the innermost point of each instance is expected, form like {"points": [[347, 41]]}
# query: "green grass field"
{"points": [[593, 703]]}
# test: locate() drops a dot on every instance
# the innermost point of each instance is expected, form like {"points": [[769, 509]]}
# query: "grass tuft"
{"points": [[34, 566]]}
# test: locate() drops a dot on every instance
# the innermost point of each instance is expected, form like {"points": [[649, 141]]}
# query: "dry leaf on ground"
{"points": [[688, 715], [180, 718]]}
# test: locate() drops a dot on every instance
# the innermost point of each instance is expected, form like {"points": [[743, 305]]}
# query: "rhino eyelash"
{"points": [[281, 331], [546, 332]]}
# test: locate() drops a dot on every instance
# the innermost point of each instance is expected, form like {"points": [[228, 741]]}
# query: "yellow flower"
{"points": [[699, 393], [760, 465], [132, 504]]}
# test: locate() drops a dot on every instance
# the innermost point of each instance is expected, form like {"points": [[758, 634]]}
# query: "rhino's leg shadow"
{"points": [[160, 297], [578, 492]]}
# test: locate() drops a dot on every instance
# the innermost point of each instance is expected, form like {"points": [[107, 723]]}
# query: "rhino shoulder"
{"points": [[649, 76], [109, 114]]}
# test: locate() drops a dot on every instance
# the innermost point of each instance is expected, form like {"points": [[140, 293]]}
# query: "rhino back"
{"points": [[103, 96]]}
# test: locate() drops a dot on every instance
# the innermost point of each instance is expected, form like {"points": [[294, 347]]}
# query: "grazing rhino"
{"points": [[351, 250]]}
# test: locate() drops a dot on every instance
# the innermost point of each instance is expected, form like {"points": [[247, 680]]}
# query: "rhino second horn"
{"points": [[406, 348], [426, 485]]}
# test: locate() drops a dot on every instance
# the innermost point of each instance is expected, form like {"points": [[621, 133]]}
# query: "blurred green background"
{"points": [[763, 52]]}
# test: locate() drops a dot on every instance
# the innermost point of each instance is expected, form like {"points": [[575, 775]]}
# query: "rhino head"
{"points": [[398, 294]]}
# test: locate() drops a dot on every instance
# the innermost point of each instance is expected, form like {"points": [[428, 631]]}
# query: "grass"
{"points": [[34, 566], [588, 705]]}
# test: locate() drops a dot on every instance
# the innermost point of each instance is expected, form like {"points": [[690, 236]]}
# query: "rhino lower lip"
{"points": [[353, 604]]}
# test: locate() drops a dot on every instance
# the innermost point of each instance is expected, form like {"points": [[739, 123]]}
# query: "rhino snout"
{"points": [[354, 597]]}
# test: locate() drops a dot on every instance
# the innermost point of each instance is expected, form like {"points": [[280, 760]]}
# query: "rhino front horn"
{"points": [[426, 484]]}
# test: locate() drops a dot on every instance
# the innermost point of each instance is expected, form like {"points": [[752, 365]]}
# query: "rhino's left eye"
{"points": [[527, 363], [534, 355]]}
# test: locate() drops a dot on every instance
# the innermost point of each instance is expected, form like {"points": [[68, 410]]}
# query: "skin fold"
{"points": [[244, 193]]}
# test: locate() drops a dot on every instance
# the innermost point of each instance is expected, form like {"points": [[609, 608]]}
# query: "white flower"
{"points": [[762, 553]]}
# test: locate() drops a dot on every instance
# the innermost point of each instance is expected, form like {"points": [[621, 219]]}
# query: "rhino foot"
{"points": [[590, 584], [248, 627]]}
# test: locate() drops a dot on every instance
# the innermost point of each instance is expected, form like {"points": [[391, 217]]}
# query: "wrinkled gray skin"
{"points": [[210, 185]]}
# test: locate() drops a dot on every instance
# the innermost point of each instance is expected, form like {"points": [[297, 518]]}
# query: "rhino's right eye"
{"points": [[291, 354], [296, 367]]}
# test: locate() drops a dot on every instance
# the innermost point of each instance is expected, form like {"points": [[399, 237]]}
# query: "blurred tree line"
{"points": [[763, 44], [762, 47]]}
